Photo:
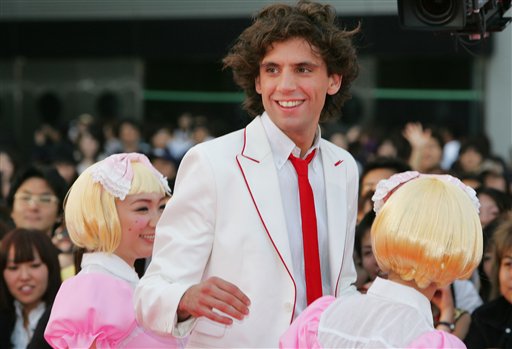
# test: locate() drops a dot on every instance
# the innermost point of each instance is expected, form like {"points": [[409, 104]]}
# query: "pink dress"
{"points": [[98, 308], [303, 332]]}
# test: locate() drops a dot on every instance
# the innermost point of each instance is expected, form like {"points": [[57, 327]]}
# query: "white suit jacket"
{"points": [[226, 219]]}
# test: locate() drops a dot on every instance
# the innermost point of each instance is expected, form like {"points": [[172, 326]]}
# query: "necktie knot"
{"points": [[301, 165]]}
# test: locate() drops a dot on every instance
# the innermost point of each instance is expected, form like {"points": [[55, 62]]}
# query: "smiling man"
{"points": [[262, 220]]}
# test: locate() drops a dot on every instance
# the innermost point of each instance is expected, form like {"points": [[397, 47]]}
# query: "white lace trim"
{"points": [[115, 173], [386, 187]]}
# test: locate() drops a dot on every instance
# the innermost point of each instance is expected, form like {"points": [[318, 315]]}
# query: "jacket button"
{"points": [[288, 307]]}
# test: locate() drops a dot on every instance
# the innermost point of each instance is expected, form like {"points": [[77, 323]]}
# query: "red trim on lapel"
{"points": [[270, 237], [243, 149], [338, 163]]}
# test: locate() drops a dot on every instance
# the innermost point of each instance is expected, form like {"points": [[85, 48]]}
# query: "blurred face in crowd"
{"points": [[27, 281], [470, 160], [432, 155], [128, 133], [88, 145], [367, 258], [161, 138], [387, 149], [488, 209], [35, 206], [505, 276], [370, 180], [138, 215]]}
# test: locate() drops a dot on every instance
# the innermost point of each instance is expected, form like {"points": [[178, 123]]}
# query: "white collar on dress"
{"points": [[282, 146], [111, 263], [402, 294]]}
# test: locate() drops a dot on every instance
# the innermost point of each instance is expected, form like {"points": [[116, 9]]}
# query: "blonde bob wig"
{"points": [[90, 211], [428, 231]]}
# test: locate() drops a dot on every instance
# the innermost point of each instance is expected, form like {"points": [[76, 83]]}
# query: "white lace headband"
{"points": [[115, 173], [386, 187]]}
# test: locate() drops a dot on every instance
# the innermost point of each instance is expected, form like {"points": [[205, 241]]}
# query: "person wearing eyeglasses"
{"points": [[35, 202], [35, 199]]}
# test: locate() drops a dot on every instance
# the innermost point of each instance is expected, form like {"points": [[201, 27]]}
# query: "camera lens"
{"points": [[435, 12]]}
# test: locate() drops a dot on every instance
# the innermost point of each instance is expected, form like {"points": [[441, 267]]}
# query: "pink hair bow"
{"points": [[386, 187], [115, 173]]}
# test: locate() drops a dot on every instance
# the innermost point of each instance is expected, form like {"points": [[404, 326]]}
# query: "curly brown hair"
{"points": [[314, 22]]}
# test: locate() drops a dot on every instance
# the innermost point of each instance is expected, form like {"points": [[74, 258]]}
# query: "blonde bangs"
{"points": [[144, 180], [91, 216], [428, 231]]}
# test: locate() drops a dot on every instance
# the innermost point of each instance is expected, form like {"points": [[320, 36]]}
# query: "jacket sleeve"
{"points": [[183, 243]]}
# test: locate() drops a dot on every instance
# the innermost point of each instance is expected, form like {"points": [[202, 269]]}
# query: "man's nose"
{"points": [[287, 81]]}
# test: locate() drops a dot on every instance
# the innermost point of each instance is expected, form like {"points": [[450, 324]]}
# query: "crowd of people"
{"points": [[266, 227]]}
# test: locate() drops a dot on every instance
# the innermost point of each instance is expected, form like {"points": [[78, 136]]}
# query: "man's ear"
{"points": [[334, 84], [257, 84]]}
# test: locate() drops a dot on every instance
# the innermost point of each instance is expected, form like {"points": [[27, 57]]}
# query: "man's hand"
{"points": [[201, 299]]}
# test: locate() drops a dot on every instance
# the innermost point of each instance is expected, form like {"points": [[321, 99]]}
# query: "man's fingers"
{"points": [[232, 290], [229, 308], [215, 293], [214, 316]]}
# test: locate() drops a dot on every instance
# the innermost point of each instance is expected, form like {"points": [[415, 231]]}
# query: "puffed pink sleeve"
{"points": [[303, 331], [437, 339], [91, 308]]}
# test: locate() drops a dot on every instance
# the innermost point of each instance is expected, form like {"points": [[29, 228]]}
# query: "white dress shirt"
{"points": [[282, 147], [390, 315]]}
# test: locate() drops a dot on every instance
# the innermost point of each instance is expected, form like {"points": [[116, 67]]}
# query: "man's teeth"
{"points": [[289, 104]]}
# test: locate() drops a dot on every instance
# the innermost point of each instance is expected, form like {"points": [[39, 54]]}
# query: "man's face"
{"points": [[293, 83]]}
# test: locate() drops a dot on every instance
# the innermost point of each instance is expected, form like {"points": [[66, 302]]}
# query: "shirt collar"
{"points": [[402, 294], [112, 263], [34, 315], [282, 146]]}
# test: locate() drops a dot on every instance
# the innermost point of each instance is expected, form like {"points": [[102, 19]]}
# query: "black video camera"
{"points": [[475, 18]]}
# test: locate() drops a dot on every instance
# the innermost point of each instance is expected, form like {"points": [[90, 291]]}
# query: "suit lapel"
{"points": [[335, 191], [259, 171]]}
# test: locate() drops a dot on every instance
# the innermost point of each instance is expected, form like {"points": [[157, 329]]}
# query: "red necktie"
{"points": [[309, 229]]}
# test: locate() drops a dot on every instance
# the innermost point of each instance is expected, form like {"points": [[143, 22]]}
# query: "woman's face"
{"points": [[138, 215], [488, 209], [368, 259], [470, 160], [432, 155], [27, 282], [505, 276], [35, 206]]}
